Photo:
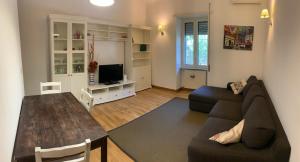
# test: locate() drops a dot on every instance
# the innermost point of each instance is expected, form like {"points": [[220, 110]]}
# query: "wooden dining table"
{"points": [[55, 120]]}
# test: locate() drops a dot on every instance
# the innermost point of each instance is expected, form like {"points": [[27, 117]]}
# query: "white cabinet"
{"points": [[106, 93], [138, 60], [142, 76], [68, 48]]}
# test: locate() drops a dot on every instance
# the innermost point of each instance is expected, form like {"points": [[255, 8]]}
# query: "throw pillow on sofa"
{"points": [[231, 136], [259, 127], [237, 87]]}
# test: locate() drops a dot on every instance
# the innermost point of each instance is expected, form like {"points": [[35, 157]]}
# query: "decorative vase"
{"points": [[92, 78]]}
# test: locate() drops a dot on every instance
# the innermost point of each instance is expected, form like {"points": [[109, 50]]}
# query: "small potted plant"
{"points": [[93, 64]]}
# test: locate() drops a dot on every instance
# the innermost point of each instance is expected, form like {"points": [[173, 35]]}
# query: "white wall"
{"points": [[34, 29], [226, 65], [165, 71], [11, 87], [231, 65], [281, 68], [109, 52]]}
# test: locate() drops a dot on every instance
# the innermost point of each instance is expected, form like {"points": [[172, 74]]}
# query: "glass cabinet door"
{"points": [[78, 37], [78, 62], [61, 63], [60, 36]]}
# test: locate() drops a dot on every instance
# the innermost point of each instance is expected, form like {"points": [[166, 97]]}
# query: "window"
{"points": [[189, 43], [195, 44]]}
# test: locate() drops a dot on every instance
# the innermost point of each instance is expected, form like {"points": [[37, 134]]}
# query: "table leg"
{"points": [[104, 151]]}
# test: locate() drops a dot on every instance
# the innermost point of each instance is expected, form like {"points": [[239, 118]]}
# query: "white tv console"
{"points": [[107, 93]]}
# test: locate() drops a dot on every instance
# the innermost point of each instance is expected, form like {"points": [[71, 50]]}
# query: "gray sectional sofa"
{"points": [[263, 137]]}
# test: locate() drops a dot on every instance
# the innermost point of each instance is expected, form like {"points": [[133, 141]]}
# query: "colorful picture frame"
{"points": [[238, 37]]}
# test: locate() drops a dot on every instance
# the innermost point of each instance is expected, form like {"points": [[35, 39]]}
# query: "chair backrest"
{"points": [[67, 151], [86, 99], [50, 87]]}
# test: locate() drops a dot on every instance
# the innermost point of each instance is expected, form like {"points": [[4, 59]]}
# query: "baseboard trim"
{"points": [[164, 88], [186, 89], [174, 90]]}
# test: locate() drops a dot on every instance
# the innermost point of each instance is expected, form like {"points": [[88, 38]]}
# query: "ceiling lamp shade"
{"points": [[102, 3], [264, 14]]}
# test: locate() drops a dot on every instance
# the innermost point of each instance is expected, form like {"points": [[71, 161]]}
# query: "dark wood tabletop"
{"points": [[55, 120]]}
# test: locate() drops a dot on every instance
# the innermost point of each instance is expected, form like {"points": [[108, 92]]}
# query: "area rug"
{"points": [[162, 135]]}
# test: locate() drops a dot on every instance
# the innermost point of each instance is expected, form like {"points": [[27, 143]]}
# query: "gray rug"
{"points": [[161, 135]]}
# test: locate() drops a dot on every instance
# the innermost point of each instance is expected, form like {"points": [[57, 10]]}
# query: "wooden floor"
{"points": [[114, 114]]}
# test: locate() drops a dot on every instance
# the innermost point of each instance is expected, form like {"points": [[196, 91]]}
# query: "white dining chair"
{"points": [[82, 149], [50, 87], [86, 99]]}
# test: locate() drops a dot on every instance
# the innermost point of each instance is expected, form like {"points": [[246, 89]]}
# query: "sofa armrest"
{"points": [[282, 149]]}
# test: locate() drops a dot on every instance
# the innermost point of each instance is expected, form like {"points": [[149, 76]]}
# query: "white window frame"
{"points": [[195, 66]]}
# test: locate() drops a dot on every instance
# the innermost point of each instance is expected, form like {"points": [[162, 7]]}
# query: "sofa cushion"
{"points": [[254, 91], [211, 95], [259, 127], [252, 80], [204, 150], [200, 106], [227, 110]]}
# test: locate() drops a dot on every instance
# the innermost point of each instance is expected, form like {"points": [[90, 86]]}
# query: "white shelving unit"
{"points": [[68, 48], [69, 36], [108, 32], [107, 93], [138, 59]]}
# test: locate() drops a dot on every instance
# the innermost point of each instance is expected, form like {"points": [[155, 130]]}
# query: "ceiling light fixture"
{"points": [[102, 3]]}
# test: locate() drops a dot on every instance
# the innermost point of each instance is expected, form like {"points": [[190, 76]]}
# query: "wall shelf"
{"points": [[141, 43], [105, 32], [78, 51], [108, 39], [97, 30], [60, 52], [60, 39], [118, 32], [142, 51], [137, 59]]}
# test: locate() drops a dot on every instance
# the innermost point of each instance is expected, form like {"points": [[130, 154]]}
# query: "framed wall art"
{"points": [[238, 37]]}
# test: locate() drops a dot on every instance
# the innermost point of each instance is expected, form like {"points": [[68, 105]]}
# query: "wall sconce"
{"points": [[162, 29], [265, 15]]}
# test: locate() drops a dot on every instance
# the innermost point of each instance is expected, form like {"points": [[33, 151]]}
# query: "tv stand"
{"points": [[111, 82], [106, 93]]}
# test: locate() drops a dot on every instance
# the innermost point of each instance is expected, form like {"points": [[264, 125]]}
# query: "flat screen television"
{"points": [[110, 74]]}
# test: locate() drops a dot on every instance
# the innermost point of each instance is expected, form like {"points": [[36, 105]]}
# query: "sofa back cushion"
{"points": [[252, 80], [253, 92], [259, 127]]}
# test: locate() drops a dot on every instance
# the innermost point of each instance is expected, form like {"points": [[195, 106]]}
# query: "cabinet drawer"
{"points": [[100, 99], [115, 95], [128, 92]]}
